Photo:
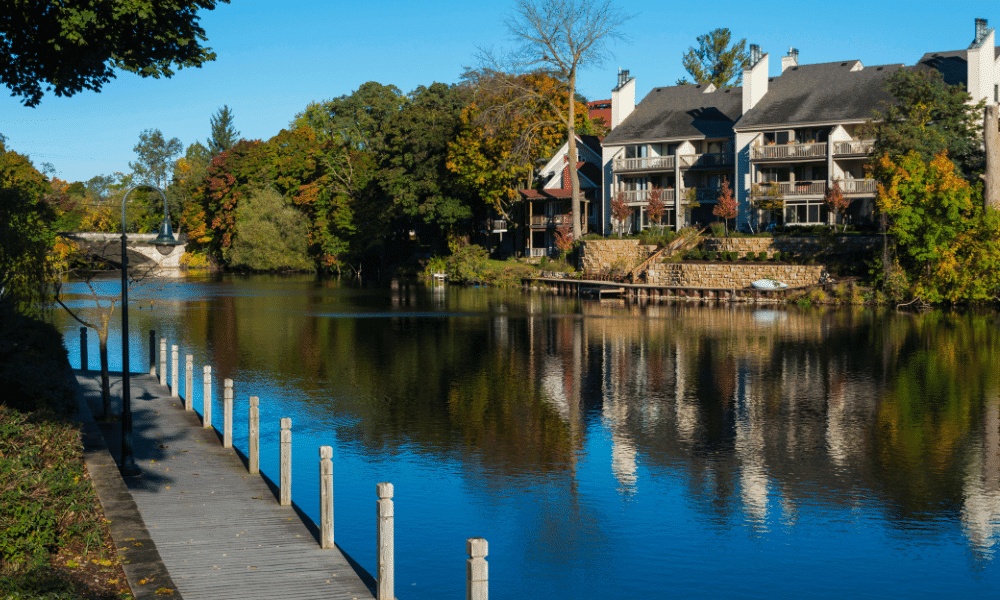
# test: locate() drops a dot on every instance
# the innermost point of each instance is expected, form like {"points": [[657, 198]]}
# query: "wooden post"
{"points": [[326, 496], [254, 435], [286, 462], [84, 360], [206, 398], [476, 570], [152, 352], [188, 382], [173, 369], [385, 541], [163, 361], [227, 415]]}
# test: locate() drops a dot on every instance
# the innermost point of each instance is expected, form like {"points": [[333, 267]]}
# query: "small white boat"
{"points": [[768, 284]]}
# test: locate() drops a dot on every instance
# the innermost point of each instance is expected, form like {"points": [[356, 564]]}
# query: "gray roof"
{"points": [[820, 93], [953, 65], [679, 112]]}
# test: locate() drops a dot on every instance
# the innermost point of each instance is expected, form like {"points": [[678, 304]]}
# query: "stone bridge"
{"points": [[141, 252]]}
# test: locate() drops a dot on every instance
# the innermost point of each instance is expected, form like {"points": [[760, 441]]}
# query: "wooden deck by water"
{"points": [[220, 531]]}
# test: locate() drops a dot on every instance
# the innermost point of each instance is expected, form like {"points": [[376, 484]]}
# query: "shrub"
{"points": [[777, 256], [762, 255], [35, 373], [718, 229], [271, 235], [729, 256], [711, 255]]}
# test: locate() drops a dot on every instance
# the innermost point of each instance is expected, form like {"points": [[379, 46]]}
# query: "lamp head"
{"points": [[166, 241]]}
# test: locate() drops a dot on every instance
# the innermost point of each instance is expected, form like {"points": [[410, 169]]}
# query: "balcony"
{"points": [[716, 160], [853, 148], [858, 187], [783, 152], [538, 252], [792, 188], [641, 197], [649, 163], [542, 221]]}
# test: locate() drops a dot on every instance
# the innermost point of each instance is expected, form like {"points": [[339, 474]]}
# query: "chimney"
{"points": [[791, 60], [981, 32], [755, 78], [622, 98]]}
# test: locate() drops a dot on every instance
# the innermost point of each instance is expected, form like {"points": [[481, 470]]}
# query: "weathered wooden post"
{"points": [[227, 415], [173, 369], [326, 496], [152, 352], [163, 361], [84, 360], [476, 570], [254, 435], [385, 542], [206, 397], [285, 493], [188, 382]]}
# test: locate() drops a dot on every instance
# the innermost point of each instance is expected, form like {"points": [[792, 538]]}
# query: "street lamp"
{"points": [[164, 243]]}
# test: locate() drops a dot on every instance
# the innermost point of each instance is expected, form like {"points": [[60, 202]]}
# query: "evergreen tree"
{"points": [[714, 61], [224, 136]]}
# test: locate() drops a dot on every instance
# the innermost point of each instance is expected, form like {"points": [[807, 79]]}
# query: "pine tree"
{"points": [[714, 60], [224, 136]]}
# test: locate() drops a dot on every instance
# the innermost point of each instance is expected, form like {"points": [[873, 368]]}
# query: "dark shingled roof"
{"points": [[820, 93], [680, 111], [954, 65]]}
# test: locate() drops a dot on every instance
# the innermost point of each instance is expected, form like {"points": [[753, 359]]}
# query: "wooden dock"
{"points": [[655, 293], [220, 531]]}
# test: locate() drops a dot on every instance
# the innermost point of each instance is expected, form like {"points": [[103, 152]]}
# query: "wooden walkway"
{"points": [[219, 530]]}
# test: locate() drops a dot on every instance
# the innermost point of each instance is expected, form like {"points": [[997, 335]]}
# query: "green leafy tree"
{"points": [[715, 60], [928, 117], [271, 234], [156, 154], [358, 120], [73, 45], [769, 197], [224, 135]]}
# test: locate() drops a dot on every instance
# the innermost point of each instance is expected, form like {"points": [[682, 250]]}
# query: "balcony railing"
{"points": [[707, 161], [792, 188], [641, 197], [789, 151], [648, 163], [858, 186], [549, 220], [859, 147], [538, 252]]}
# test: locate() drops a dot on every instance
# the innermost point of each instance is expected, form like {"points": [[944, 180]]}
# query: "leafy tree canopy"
{"points": [[358, 120], [714, 60], [156, 155], [224, 135], [68, 46]]}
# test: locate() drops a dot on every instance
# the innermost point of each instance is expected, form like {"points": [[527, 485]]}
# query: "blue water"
{"points": [[613, 450]]}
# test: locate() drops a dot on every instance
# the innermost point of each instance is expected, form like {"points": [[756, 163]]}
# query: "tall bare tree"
{"points": [[561, 37]]}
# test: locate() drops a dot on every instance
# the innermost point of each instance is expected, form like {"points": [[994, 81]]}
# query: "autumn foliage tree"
{"points": [[836, 202], [655, 207], [726, 208], [620, 211], [564, 236]]}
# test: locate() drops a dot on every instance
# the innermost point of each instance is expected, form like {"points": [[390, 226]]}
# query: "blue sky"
{"points": [[276, 57]]}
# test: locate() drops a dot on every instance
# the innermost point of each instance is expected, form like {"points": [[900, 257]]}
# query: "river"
{"points": [[612, 450]]}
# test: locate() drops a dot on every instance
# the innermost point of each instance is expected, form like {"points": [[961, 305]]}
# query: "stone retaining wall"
{"points": [[602, 255], [731, 275], [789, 244]]}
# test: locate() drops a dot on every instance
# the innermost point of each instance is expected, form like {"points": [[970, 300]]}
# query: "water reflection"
{"points": [[784, 424]]}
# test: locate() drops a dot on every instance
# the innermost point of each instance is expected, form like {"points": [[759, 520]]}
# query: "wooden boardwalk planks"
{"points": [[220, 531]]}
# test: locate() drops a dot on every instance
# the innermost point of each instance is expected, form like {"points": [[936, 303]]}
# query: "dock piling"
{"points": [[173, 369], [254, 436], [163, 361], [476, 569], [206, 398], [227, 414], [188, 382], [285, 493], [385, 542], [326, 496]]}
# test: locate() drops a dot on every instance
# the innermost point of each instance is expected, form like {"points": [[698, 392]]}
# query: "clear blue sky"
{"points": [[276, 57]]}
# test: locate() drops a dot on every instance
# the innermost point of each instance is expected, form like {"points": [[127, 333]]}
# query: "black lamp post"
{"points": [[164, 243]]}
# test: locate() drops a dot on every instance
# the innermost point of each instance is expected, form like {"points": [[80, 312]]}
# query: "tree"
{"points": [[565, 36], [928, 117], [655, 207], [620, 211], [73, 45], [715, 61], [726, 208], [836, 202], [271, 234], [223, 134], [564, 237], [155, 157], [358, 120], [769, 197]]}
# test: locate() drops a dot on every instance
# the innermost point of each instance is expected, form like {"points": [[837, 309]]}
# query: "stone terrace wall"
{"points": [[788, 244], [601, 255], [730, 275]]}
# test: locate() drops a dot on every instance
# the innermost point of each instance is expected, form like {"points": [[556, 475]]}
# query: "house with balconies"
{"points": [[548, 206], [679, 141]]}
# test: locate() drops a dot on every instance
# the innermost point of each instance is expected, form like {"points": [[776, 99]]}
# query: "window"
{"points": [[806, 212], [635, 151]]}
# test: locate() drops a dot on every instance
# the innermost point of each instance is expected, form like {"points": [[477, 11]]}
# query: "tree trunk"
{"points": [[102, 336], [574, 177], [991, 139]]}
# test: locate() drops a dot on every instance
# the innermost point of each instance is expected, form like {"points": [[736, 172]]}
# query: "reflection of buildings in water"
{"points": [[749, 447], [981, 509]]}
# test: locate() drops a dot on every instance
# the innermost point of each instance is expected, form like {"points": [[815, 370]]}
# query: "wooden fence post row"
{"points": [[188, 382], [163, 361], [285, 495], [476, 570], [254, 435], [84, 361], [173, 369], [206, 398], [227, 415], [385, 541], [326, 496]]}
